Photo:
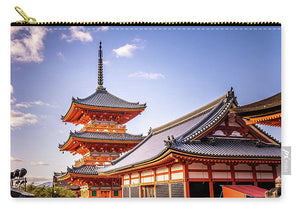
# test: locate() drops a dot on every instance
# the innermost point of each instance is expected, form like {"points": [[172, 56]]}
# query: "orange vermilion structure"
{"points": [[264, 112], [199, 153], [102, 139]]}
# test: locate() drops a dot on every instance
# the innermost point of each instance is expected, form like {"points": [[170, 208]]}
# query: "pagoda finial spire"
{"points": [[100, 68]]}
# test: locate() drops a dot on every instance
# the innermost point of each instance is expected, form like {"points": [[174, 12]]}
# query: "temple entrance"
{"points": [[199, 189], [218, 190], [104, 194], [148, 191]]}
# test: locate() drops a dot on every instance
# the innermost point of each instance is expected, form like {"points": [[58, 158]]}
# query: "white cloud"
{"points": [[78, 33], [19, 119], [103, 28], [27, 44], [38, 163], [137, 40], [12, 99], [23, 105], [60, 55], [106, 62], [128, 49], [31, 104], [144, 75], [43, 116], [12, 159], [125, 51]]}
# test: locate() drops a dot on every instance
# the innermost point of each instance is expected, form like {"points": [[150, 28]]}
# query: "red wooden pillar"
{"points": [[232, 174], [154, 180], [211, 185], [254, 174], [186, 180], [129, 185], [170, 178], [122, 180], [140, 182], [274, 171]]}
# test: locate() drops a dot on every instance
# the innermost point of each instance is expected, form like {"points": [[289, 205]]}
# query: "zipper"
{"points": [[32, 22]]}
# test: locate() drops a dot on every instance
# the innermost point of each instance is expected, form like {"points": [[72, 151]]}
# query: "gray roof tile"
{"points": [[184, 129], [102, 98], [84, 170], [107, 136], [230, 148], [153, 145]]}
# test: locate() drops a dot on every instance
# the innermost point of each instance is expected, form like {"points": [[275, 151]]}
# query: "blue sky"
{"points": [[175, 70]]}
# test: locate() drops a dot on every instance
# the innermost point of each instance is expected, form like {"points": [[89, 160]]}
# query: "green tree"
{"points": [[46, 192]]}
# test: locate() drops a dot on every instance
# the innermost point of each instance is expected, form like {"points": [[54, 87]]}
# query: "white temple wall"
{"points": [[221, 166], [243, 175], [197, 166], [199, 175], [220, 175]]}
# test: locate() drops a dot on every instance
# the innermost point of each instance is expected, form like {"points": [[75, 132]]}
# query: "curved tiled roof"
{"points": [[230, 148], [262, 107], [104, 136], [102, 98], [107, 136], [187, 128], [84, 170], [153, 145]]}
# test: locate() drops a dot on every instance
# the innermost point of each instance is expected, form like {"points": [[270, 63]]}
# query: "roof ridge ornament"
{"points": [[100, 68], [171, 141], [230, 95]]}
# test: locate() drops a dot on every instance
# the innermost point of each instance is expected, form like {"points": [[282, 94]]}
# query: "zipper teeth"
{"points": [[60, 23]]}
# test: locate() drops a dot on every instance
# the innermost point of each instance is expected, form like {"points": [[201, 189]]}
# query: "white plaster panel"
{"points": [[243, 166], [264, 175], [177, 175], [221, 175], [147, 179], [219, 133], [162, 177], [126, 182], [126, 176], [198, 175], [176, 167], [236, 134], [135, 175], [134, 181], [161, 170], [243, 175], [148, 172], [222, 166], [263, 167], [197, 166]]}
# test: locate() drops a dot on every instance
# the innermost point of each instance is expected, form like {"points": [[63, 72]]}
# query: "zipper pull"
{"points": [[27, 20]]}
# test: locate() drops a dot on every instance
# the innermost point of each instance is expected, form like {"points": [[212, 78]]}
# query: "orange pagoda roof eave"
{"points": [[70, 175], [68, 147], [271, 120], [74, 114]]}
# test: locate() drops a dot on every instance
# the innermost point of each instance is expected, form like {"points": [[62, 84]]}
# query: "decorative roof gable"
{"points": [[188, 133]]}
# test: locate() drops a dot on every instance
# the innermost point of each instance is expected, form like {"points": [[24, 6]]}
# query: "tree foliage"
{"points": [[47, 192]]}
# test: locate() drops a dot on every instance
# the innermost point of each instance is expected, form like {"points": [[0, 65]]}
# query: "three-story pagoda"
{"points": [[102, 139]]}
